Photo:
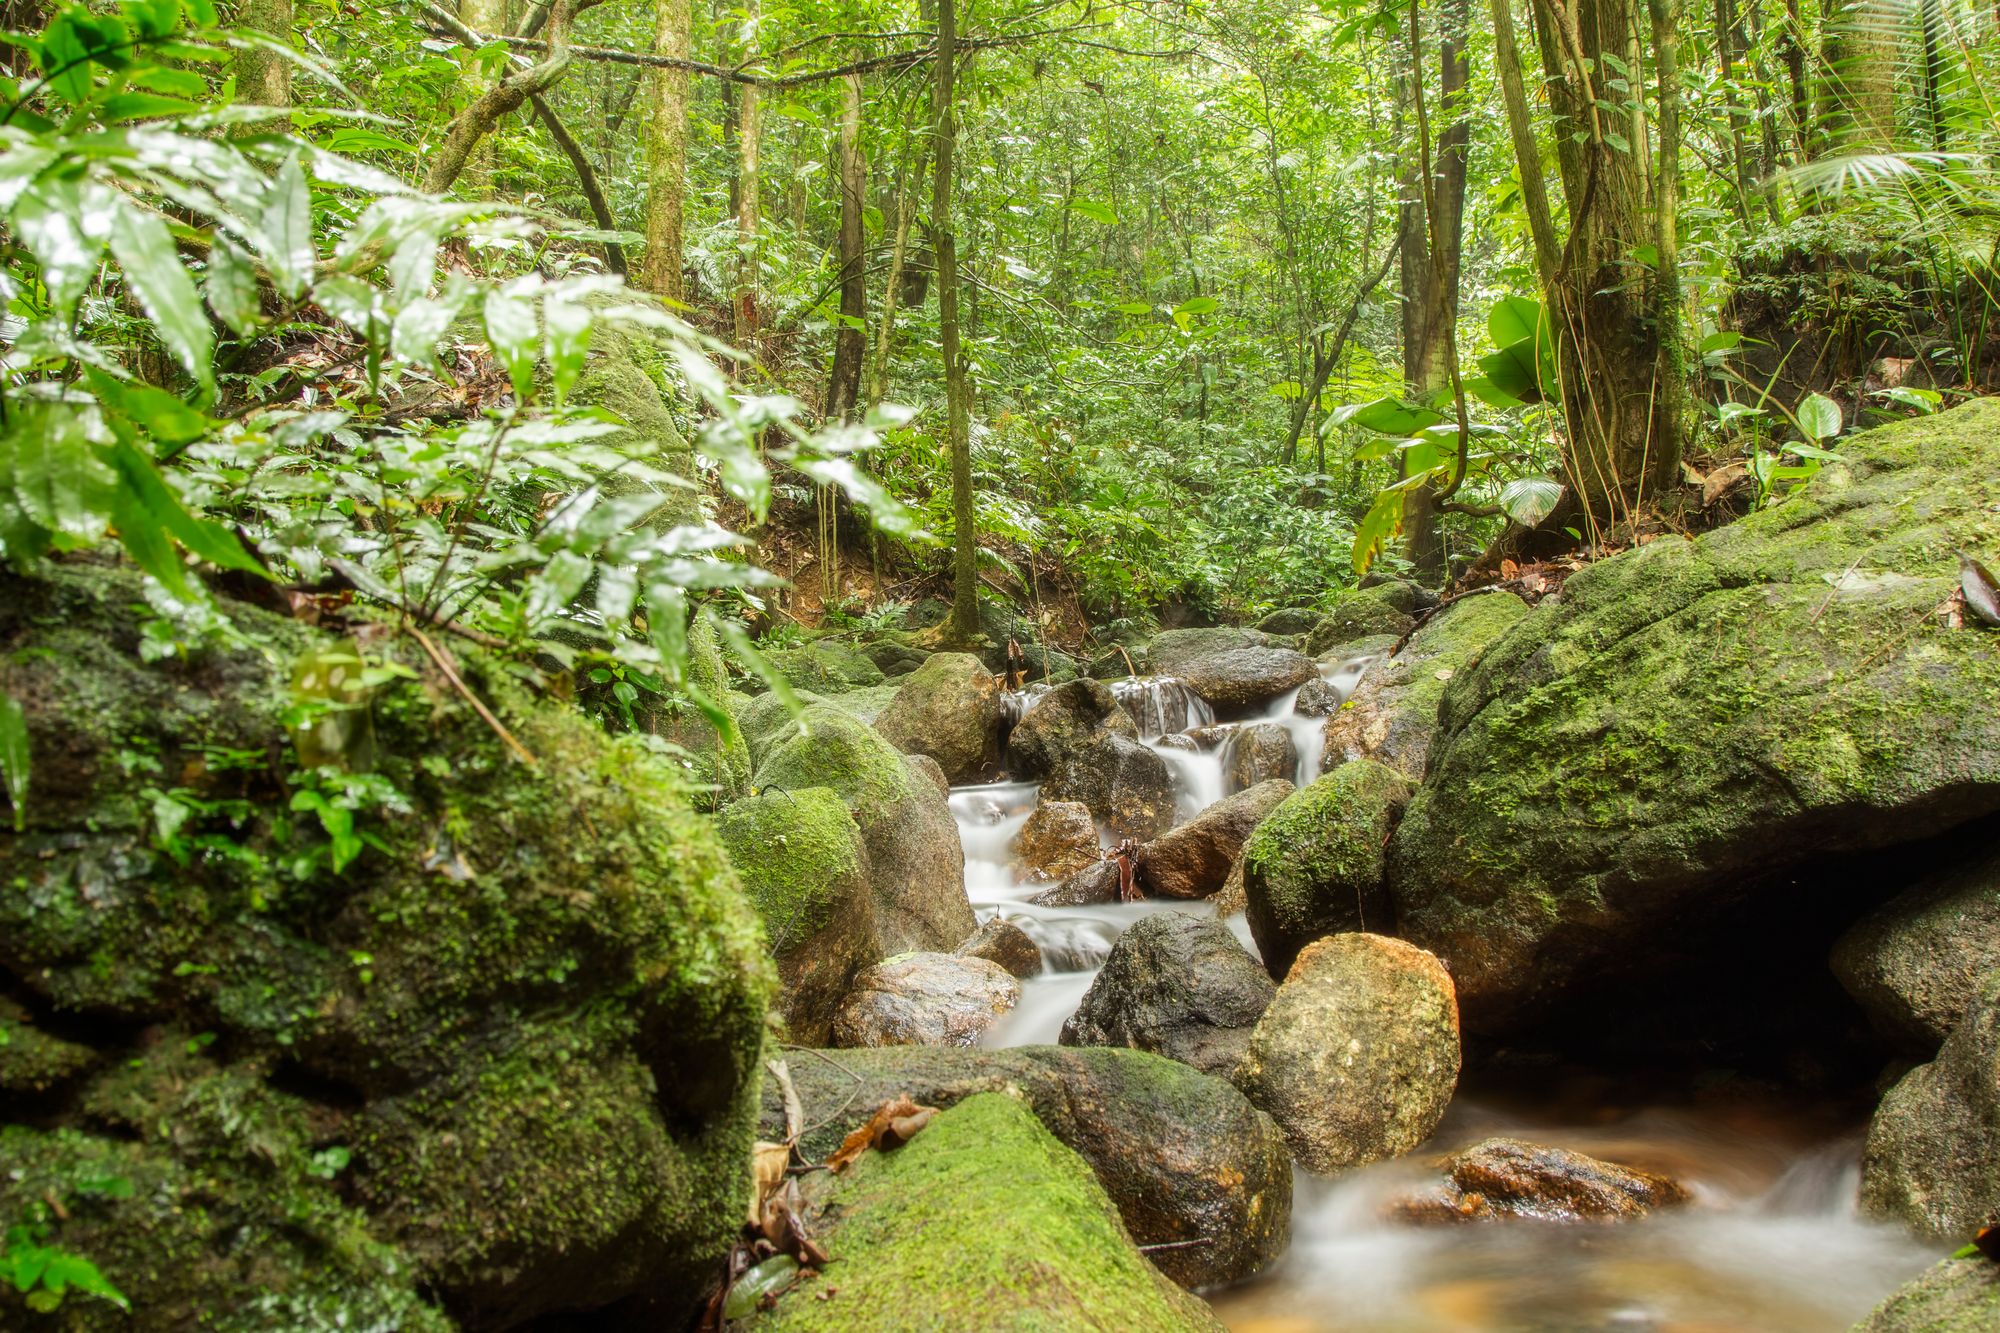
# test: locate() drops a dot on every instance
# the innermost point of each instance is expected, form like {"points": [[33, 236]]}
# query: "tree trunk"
{"points": [[666, 153], [485, 17], [965, 562], [1857, 111], [749, 133], [892, 290], [264, 78], [850, 342], [460, 152]]}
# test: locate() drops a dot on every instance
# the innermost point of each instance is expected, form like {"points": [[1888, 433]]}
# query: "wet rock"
{"points": [[1313, 867], [1178, 741], [1193, 859], [1231, 898], [1175, 648], [1079, 742], [1358, 1055], [925, 766], [1001, 941], [949, 709], [1162, 705], [894, 657], [925, 999], [949, 1225], [1059, 839], [1243, 679], [33, 1061], [1502, 1178], [1190, 1164], [803, 865], [1061, 722], [1096, 883], [1957, 1296], [1258, 753], [1362, 612], [1211, 738], [1932, 1158], [1916, 963], [1290, 620], [1317, 698], [825, 666], [1179, 986], [1724, 708], [1392, 713]]}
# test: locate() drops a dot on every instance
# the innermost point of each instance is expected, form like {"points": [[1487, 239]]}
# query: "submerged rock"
{"points": [[1179, 986], [1501, 1178], [1358, 1054], [1916, 963], [1314, 866], [949, 709], [1001, 941], [1058, 839], [1192, 1167], [1259, 752], [981, 1222], [925, 999], [1957, 1296], [1193, 859]]}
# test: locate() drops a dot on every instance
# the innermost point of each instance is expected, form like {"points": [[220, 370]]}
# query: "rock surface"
{"points": [[1957, 1296], [1175, 985], [1183, 1155], [1081, 744], [1314, 866], [981, 1223], [1724, 706], [1193, 859], [949, 709], [1916, 963], [1501, 1178], [1095, 883], [1175, 648], [1241, 679], [1259, 752], [1001, 941], [1363, 612], [925, 999], [1058, 839], [1358, 1055]]}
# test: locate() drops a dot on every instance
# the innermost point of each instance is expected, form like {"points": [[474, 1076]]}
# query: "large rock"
{"points": [[716, 757], [949, 709], [1957, 1296], [981, 1223], [1358, 1055], [1175, 648], [1058, 839], [1258, 752], [529, 1005], [1916, 963], [1192, 1166], [925, 999], [1933, 1153], [1062, 721], [1081, 744], [1364, 612], [1314, 866], [1392, 713], [1193, 859], [1508, 1178], [1242, 679], [1095, 883], [1690, 715], [826, 666], [805, 870], [1179, 986], [916, 865]]}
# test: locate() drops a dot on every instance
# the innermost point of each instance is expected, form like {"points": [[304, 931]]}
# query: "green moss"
{"points": [[827, 666], [717, 759], [982, 1221], [826, 746], [1314, 865], [795, 851], [627, 375], [1957, 1296], [34, 1061], [1360, 612]]}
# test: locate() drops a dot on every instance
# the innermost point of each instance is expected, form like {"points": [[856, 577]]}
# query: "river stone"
{"points": [[1190, 1164], [1360, 613], [1358, 1055], [916, 864], [1058, 839], [533, 1007], [1079, 742], [1242, 679], [1314, 866], [1932, 1158], [1916, 963], [1001, 941], [1289, 620], [1317, 698], [1392, 713], [1957, 1296], [805, 870], [1175, 648], [825, 666], [1231, 898], [1258, 753], [1095, 883], [1179, 986], [925, 999], [1193, 859], [949, 709], [1692, 716], [1062, 721], [1508, 1178], [982, 1223]]}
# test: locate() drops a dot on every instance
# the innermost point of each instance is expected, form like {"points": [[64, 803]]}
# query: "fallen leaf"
{"points": [[893, 1124], [1975, 580], [767, 1172], [1509, 569]]}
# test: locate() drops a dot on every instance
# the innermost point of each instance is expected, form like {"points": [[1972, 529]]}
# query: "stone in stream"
{"points": [[1193, 859], [1258, 752], [1915, 964], [925, 999], [1290, 620], [1193, 1168], [1508, 1178], [1317, 698], [1176, 985], [1314, 866], [1095, 883], [1162, 705], [1001, 941], [1241, 680], [1693, 717], [805, 870], [1358, 1055], [981, 1223], [1932, 1158], [949, 709], [1957, 1296], [1058, 839], [1080, 744], [1387, 608], [1173, 649]]}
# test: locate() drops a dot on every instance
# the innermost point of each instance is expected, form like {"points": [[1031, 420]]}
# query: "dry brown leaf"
{"points": [[893, 1124], [767, 1170]]}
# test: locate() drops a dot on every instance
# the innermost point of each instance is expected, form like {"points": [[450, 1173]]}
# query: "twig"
{"points": [[486, 714]]}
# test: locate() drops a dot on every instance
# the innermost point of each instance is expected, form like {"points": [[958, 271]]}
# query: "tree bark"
{"points": [[463, 139], [1857, 112], [892, 290], [965, 553], [749, 136], [666, 154], [850, 342], [262, 77]]}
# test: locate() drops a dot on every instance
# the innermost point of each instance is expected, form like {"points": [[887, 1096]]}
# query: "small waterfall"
{"points": [[1162, 705]]}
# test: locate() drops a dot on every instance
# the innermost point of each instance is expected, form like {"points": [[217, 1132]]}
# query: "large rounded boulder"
{"points": [[1957, 1296], [1240, 680], [1313, 867], [1193, 859], [1176, 985], [1081, 745], [948, 708], [1917, 963]]}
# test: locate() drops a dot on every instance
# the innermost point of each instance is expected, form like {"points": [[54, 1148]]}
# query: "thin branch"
{"points": [[586, 175]]}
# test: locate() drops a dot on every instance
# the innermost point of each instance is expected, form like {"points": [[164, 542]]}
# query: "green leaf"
{"points": [[1093, 210], [1721, 341], [162, 415], [1925, 401], [14, 757], [1529, 500], [286, 231], [1380, 526], [145, 248], [206, 538], [1197, 305], [1389, 416], [1134, 308], [154, 18], [1513, 318], [510, 328], [1819, 417], [232, 287], [64, 224], [146, 539], [566, 328], [57, 476]]}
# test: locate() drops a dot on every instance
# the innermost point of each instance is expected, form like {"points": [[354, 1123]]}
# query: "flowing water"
{"points": [[1772, 1242]]}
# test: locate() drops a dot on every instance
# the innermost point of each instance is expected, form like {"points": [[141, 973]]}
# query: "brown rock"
{"points": [[1001, 941], [1097, 883], [1059, 839], [925, 999], [1194, 860], [1258, 753], [1502, 1178]]}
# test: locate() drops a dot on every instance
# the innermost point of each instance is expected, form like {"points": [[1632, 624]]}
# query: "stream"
{"points": [[1772, 1242]]}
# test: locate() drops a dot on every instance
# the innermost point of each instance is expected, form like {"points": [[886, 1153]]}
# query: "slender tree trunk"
{"points": [[262, 78], [666, 153], [1857, 108], [1728, 46], [965, 563], [485, 17], [749, 136], [1671, 373], [462, 141], [850, 343], [892, 290]]}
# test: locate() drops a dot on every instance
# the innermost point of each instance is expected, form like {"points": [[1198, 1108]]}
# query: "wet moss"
{"points": [[1314, 866], [827, 666], [796, 852], [1957, 1296], [1361, 612], [826, 746]]}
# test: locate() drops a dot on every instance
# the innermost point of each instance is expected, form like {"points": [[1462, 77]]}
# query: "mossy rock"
{"points": [[627, 374], [1172, 649], [717, 759], [1957, 1296], [825, 666], [1693, 717], [983, 1221], [1360, 612], [535, 998], [1313, 867], [33, 1060], [950, 710]]}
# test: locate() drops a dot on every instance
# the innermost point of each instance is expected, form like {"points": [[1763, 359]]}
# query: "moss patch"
{"points": [[1314, 865]]}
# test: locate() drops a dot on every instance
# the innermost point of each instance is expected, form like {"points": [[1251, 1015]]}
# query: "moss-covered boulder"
{"points": [[627, 374], [1392, 713], [1957, 1296], [716, 758], [1192, 1166], [1313, 866], [1692, 716], [802, 862], [1917, 963], [525, 1000], [982, 1222], [916, 867], [826, 666], [1357, 613], [1173, 649], [949, 709]]}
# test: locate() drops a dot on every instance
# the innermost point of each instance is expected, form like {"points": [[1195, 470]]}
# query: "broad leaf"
{"points": [[145, 248], [1529, 500], [286, 231], [14, 757], [57, 476], [232, 287], [510, 327], [1819, 417]]}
